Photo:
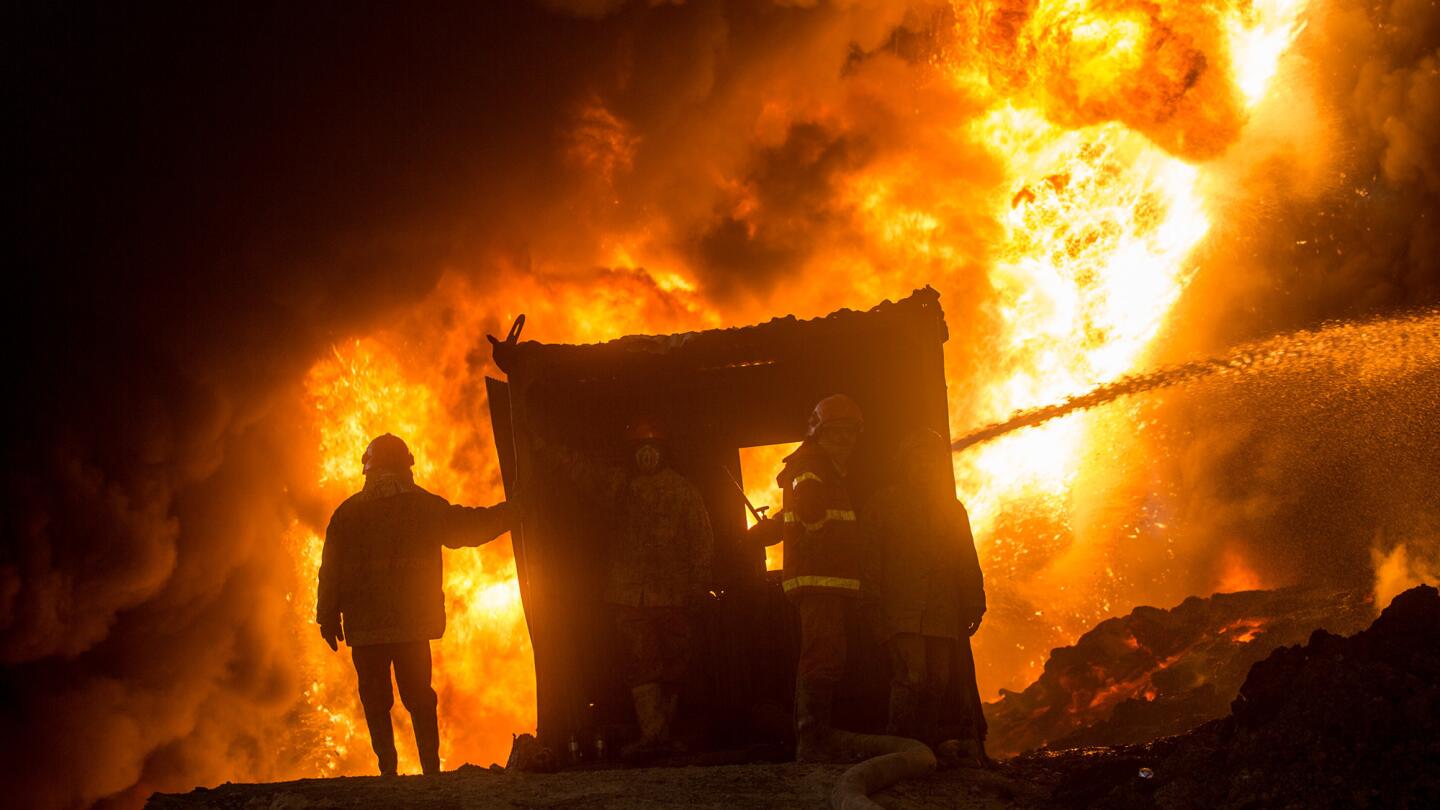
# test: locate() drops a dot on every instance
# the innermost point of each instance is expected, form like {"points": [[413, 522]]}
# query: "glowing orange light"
{"points": [[1093, 229]]}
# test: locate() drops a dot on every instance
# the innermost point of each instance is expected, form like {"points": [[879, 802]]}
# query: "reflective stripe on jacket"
{"points": [[822, 538]]}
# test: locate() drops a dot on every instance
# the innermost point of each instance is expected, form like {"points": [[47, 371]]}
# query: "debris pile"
{"points": [[1338, 722], [1159, 672]]}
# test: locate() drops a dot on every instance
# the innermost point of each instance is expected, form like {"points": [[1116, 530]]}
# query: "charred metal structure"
{"points": [[717, 391]]}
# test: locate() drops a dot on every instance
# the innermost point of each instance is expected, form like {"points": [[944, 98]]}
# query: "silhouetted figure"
{"points": [[930, 594], [380, 589], [658, 569], [822, 563]]}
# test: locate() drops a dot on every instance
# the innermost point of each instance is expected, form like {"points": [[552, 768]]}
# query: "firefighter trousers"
{"points": [[920, 668], [823, 651], [657, 642], [411, 662]]}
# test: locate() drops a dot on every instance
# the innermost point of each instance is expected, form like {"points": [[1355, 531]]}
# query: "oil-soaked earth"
{"points": [[726, 786], [1337, 722]]}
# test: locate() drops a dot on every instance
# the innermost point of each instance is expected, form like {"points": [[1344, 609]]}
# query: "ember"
{"points": [[1336, 722], [1186, 253], [1159, 672]]}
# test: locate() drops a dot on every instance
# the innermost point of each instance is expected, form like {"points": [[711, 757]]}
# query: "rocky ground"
{"points": [[726, 786], [1337, 722], [1155, 673]]}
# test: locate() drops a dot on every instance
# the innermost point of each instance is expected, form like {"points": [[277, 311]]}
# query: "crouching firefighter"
{"points": [[822, 564], [658, 571], [930, 598], [380, 589]]}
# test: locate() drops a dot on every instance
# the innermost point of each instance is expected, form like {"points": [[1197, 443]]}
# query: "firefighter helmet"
{"points": [[836, 409], [387, 451]]}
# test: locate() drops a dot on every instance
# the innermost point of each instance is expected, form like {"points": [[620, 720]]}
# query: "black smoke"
{"points": [[210, 197], [1333, 219]]}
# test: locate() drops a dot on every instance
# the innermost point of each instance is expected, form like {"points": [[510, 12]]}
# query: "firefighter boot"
{"points": [[968, 752], [650, 712], [382, 738], [812, 722], [971, 753], [904, 713], [927, 722], [427, 740]]}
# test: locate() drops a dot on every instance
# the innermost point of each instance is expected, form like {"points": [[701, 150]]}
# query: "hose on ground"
{"points": [[888, 760]]}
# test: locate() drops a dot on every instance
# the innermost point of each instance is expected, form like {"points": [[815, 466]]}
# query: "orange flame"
{"points": [[483, 665], [1094, 226], [1244, 631], [1236, 574]]}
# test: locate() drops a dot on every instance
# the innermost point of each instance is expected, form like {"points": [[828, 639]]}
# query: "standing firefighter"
{"points": [[659, 569], [380, 591], [822, 563], [930, 593]]}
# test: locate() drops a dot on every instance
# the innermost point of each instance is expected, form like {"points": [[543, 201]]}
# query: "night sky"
{"points": [[211, 196]]}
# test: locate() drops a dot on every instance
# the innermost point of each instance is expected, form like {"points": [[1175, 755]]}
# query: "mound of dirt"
{"points": [[1338, 722], [1155, 672], [724, 786]]}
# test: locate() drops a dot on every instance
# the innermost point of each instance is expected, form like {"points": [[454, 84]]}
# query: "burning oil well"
{"points": [[253, 241]]}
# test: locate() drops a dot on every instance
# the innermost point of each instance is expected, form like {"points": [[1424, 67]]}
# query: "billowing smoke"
{"points": [[212, 199], [1276, 478], [1311, 478], [1161, 68]]}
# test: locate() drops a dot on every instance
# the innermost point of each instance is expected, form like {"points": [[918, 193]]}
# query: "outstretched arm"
{"points": [[471, 526]]}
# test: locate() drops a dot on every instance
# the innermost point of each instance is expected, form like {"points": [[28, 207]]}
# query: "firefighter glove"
{"points": [[332, 634], [972, 622]]}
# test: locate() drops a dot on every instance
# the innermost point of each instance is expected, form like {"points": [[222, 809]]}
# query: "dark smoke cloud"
{"points": [[792, 189], [1340, 223], [211, 196], [214, 196], [1161, 68], [1310, 476]]}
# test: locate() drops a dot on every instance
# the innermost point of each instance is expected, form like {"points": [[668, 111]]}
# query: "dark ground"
{"points": [[727, 786], [1337, 722], [1156, 673]]}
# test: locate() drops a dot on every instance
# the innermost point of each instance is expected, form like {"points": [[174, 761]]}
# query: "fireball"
{"points": [[1101, 117]]}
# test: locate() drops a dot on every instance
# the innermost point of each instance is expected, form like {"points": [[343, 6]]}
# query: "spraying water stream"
{"points": [[1365, 351]]}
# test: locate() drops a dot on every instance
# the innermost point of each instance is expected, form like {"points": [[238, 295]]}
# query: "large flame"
{"points": [[483, 665], [1100, 225], [1095, 224]]}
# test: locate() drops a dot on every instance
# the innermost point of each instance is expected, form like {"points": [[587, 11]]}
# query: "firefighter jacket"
{"points": [[381, 566], [662, 551], [922, 563], [822, 541]]}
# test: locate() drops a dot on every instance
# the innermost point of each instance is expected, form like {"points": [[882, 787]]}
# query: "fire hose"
{"points": [[889, 760]]}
